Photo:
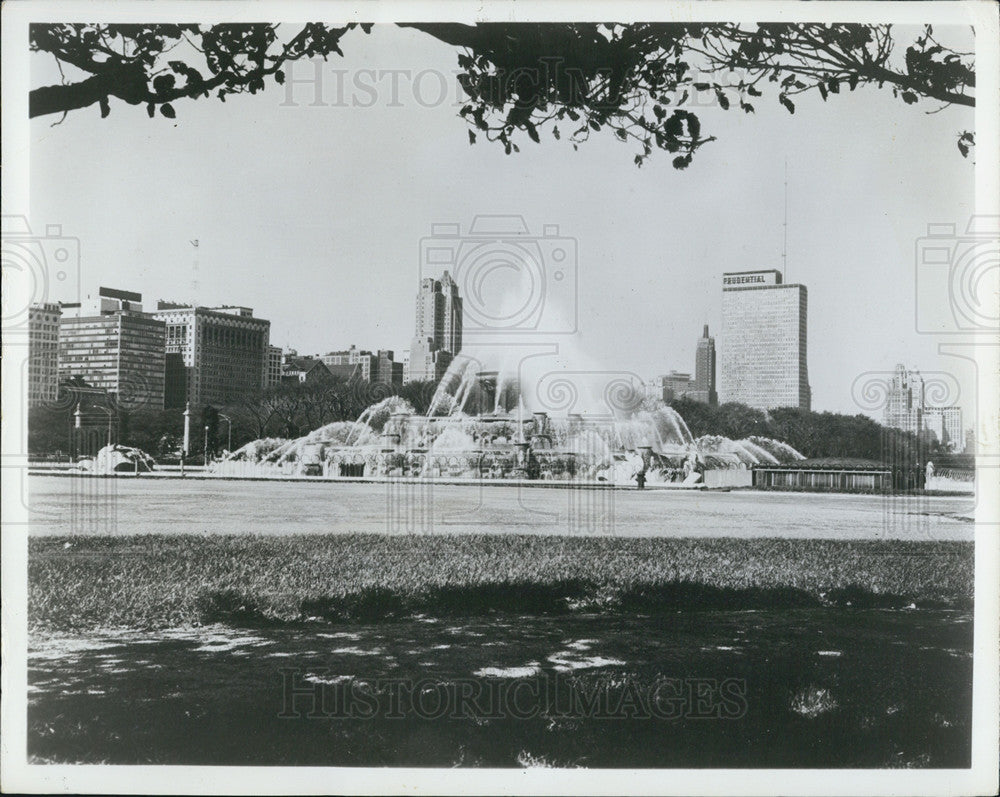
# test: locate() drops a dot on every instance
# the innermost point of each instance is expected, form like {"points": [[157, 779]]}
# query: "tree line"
{"points": [[286, 410], [813, 434], [292, 410]]}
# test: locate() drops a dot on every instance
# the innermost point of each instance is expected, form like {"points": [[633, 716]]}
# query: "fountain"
{"points": [[475, 430], [118, 459]]}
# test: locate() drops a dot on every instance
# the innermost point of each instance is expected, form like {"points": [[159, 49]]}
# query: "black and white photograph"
{"points": [[501, 398]]}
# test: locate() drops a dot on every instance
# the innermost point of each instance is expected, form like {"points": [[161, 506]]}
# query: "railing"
{"points": [[838, 480]]}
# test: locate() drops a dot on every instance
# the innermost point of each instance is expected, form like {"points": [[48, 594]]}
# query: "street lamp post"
{"points": [[205, 456], [110, 415], [187, 435], [229, 431], [76, 432]]}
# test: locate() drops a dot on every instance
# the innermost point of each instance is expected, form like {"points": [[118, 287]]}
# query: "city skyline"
{"points": [[378, 365]]}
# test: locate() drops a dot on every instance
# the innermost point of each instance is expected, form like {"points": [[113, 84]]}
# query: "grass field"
{"points": [[155, 581], [178, 649]]}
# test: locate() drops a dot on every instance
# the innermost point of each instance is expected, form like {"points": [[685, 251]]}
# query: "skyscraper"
{"points": [[120, 351], [704, 370], [954, 435], [43, 353], [906, 408], [225, 351], [763, 362], [904, 401], [275, 358], [438, 336]]}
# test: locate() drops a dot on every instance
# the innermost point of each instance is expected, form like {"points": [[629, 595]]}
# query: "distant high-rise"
{"points": [[677, 385], [906, 409], [43, 353], [275, 360], [904, 401], [438, 337], [117, 350], [954, 434], [704, 370], [225, 352], [378, 367], [763, 361]]}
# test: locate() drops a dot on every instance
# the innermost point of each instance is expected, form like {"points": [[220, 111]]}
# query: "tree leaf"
{"points": [[163, 83], [105, 107], [167, 110], [151, 110], [787, 103], [472, 137]]}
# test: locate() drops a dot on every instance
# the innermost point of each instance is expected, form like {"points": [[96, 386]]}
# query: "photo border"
{"points": [[18, 775]]}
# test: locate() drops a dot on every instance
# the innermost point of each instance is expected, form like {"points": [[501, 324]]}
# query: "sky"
{"points": [[314, 216]]}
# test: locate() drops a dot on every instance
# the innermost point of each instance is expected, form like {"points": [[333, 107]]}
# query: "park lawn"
{"points": [[157, 581]]}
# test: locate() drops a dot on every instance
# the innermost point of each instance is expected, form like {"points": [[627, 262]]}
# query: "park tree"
{"points": [[637, 83]]}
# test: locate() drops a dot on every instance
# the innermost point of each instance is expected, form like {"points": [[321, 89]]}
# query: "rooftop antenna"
{"points": [[784, 240], [195, 282]]}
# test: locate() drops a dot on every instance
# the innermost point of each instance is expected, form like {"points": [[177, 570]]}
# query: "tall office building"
{"points": [[438, 337], [954, 434], [174, 380], [225, 351], [43, 353], [763, 360], [904, 401], [703, 388], [906, 408], [119, 351], [275, 362], [677, 385], [385, 369]]}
